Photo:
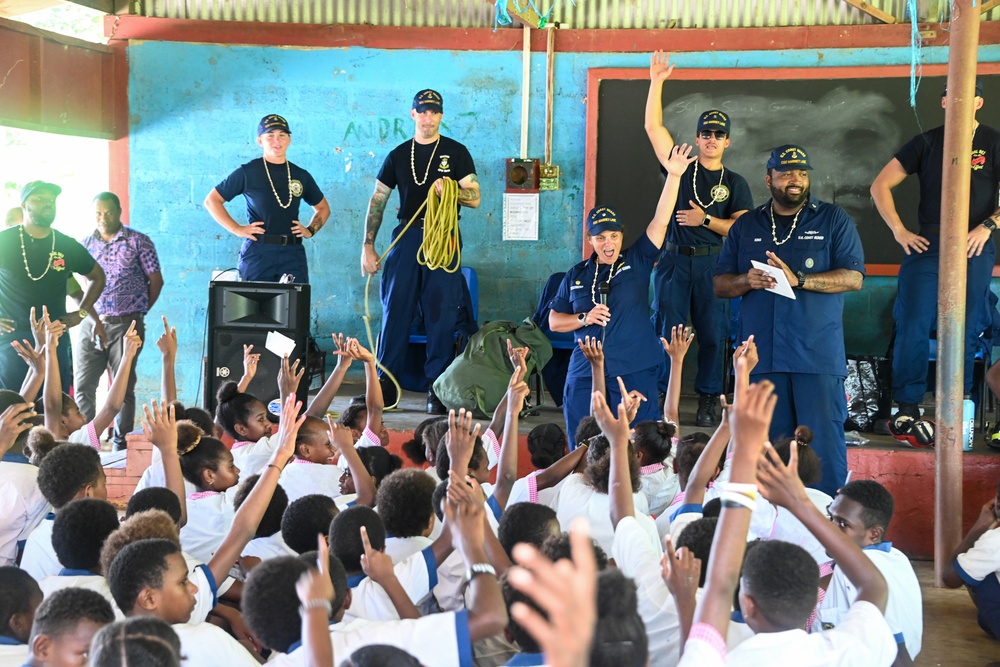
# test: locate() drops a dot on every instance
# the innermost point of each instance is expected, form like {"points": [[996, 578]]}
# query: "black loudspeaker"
{"points": [[242, 314]]}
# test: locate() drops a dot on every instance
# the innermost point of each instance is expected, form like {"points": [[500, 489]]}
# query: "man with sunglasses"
{"points": [[711, 198]]}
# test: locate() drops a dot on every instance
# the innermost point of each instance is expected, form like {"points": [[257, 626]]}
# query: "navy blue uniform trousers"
{"points": [[915, 314], [682, 286], [405, 284], [266, 262], [821, 401]]}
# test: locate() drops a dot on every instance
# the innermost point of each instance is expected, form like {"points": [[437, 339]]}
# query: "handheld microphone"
{"points": [[603, 290]]}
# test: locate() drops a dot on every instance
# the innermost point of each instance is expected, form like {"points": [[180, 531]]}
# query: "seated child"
{"points": [[546, 445], [21, 503], [267, 542], [154, 475], [140, 640], [404, 502], [69, 472], [244, 418], [208, 465], [306, 518], [312, 470], [862, 510], [526, 522], [653, 441], [62, 415], [976, 564], [65, 623], [365, 420], [19, 598], [78, 533]]}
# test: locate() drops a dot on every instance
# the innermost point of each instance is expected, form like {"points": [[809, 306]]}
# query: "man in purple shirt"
{"points": [[129, 260]]}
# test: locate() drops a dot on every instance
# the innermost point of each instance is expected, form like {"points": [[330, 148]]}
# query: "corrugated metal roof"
{"points": [[584, 14]]}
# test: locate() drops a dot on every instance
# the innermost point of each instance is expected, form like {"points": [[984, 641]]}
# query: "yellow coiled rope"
{"points": [[439, 250]]}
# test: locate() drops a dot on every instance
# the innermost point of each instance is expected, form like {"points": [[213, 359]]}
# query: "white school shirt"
{"points": [[369, 438], [207, 596], [13, 655], [154, 475], [903, 611], [438, 640], [87, 435], [401, 548], [264, 548], [776, 523], [660, 485], [417, 575], [577, 498], [210, 516], [982, 560], [303, 478], [451, 588], [77, 579], [704, 648], [207, 645], [22, 506], [639, 560], [39, 558], [525, 490], [862, 639], [251, 457]]}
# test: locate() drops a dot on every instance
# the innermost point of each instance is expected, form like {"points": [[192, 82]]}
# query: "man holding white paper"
{"points": [[800, 340]]}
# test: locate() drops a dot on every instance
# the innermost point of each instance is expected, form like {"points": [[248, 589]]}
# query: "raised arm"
{"points": [[289, 377], [567, 465], [517, 391], [370, 263], [708, 461], [160, 428], [461, 440], [324, 397], [314, 588], [593, 351], [378, 566], [659, 71], [116, 395], [676, 349], [343, 442], [35, 359], [619, 480], [986, 521], [250, 361], [167, 344], [374, 403], [680, 158], [52, 395]]}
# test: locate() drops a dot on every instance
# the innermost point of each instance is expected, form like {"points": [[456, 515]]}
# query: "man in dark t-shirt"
{"points": [[273, 188], [35, 263], [915, 312], [710, 200], [413, 168]]}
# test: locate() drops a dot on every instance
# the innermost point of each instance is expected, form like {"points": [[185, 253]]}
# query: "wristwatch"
{"points": [[582, 317], [82, 313], [479, 568], [990, 224], [802, 280], [708, 219]]}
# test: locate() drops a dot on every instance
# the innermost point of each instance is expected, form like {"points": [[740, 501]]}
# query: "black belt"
{"points": [[121, 319], [279, 239], [692, 250]]}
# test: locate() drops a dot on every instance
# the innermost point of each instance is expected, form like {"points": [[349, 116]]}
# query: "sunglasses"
{"points": [[710, 134]]}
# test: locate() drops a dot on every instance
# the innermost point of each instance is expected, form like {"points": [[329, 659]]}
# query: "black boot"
{"points": [[434, 404], [706, 410]]}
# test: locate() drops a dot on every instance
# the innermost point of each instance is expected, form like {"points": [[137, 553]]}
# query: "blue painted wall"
{"points": [[194, 110]]}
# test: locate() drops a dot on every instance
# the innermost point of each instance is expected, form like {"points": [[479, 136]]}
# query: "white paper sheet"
{"points": [[783, 288], [520, 216], [279, 343]]}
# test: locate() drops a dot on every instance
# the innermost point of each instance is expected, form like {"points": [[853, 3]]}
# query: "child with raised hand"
{"points": [[362, 485], [24, 505], [366, 424], [677, 348], [779, 579], [62, 415], [244, 418]]}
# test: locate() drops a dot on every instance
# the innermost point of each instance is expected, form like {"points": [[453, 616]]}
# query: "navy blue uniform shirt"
{"points": [[450, 159], [251, 181], [630, 344], [733, 194], [805, 334]]}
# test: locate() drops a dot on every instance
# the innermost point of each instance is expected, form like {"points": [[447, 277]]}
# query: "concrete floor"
{"points": [[951, 635]]}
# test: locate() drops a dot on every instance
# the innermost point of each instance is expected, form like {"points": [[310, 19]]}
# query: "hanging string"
{"points": [[503, 18], [916, 57]]}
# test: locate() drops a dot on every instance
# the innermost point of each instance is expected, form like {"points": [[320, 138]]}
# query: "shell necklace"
{"points": [[24, 255], [290, 195], [413, 168], [694, 186]]}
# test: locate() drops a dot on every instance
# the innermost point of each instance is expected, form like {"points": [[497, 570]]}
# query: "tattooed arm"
{"points": [[376, 208], [468, 194]]}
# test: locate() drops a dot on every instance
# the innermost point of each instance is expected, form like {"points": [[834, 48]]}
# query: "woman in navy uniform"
{"points": [[631, 348], [800, 341], [273, 188]]}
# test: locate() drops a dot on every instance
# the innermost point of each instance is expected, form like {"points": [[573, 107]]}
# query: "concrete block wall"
{"points": [[122, 481]]}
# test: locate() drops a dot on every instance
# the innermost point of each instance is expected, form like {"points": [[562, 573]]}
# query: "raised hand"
{"points": [[340, 435], [34, 358], [680, 570], [517, 389], [680, 341], [54, 329], [630, 399], [160, 425], [250, 361], [37, 327], [615, 430], [132, 342], [748, 351], [464, 512], [680, 158], [167, 342], [288, 430], [461, 440], [289, 376], [316, 584], [376, 564], [780, 483], [659, 66], [6, 325], [750, 416], [359, 351], [592, 348], [518, 356]]}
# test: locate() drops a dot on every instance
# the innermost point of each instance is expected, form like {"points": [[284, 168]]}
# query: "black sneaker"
{"points": [[911, 410], [389, 393], [434, 404], [706, 410]]}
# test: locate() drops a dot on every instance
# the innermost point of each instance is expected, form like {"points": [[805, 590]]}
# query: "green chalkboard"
{"points": [[850, 126]]}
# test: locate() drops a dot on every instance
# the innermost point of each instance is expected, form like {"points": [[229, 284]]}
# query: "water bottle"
{"points": [[968, 423]]}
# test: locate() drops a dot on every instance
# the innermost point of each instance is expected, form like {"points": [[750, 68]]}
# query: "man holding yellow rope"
{"points": [[412, 273]]}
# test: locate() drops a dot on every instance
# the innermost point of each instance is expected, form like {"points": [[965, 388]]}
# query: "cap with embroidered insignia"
{"points": [[428, 100], [272, 122], [788, 158]]}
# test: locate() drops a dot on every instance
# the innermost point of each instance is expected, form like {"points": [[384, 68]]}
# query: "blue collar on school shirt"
{"points": [[294, 646], [353, 581], [9, 641], [51, 516], [71, 572], [737, 616], [881, 546], [526, 660], [14, 457]]}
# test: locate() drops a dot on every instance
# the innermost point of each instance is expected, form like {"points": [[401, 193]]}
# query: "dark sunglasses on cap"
{"points": [[710, 134]]}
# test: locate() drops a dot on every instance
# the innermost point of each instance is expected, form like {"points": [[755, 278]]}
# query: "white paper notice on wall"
{"points": [[520, 216]]}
